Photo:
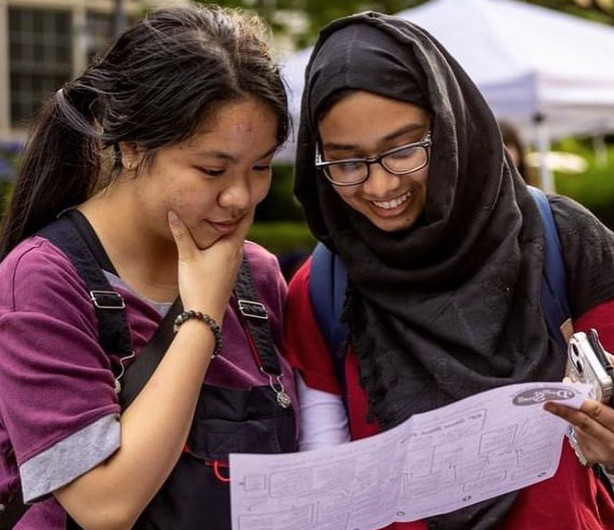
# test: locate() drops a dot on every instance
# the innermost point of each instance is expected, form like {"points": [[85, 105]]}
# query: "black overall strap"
{"points": [[256, 318], [13, 512], [145, 365], [73, 235]]}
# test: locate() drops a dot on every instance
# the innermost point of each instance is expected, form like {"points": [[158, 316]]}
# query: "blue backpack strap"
{"points": [[554, 298], [327, 285]]}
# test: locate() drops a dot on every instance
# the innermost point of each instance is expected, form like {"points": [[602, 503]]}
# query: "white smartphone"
{"points": [[588, 362]]}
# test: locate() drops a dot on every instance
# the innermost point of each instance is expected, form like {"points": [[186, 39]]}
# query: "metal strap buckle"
{"points": [[108, 300], [251, 309]]}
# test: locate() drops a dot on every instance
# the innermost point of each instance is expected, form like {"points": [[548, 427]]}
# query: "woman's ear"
{"points": [[131, 157]]}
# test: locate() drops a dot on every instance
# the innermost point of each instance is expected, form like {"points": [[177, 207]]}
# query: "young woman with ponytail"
{"points": [[159, 154]]}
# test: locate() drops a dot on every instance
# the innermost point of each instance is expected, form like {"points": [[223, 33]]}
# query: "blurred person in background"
{"points": [[516, 148]]}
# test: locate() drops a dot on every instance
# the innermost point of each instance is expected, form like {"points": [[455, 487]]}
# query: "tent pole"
{"points": [[601, 150], [543, 147]]}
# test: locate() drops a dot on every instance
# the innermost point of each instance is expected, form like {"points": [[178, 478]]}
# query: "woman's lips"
{"points": [[224, 227]]}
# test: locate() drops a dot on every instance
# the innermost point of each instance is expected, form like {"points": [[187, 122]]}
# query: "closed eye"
{"points": [[263, 167], [350, 166], [211, 172], [408, 152]]}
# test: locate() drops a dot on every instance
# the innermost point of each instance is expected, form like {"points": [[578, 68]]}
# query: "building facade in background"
{"points": [[44, 43]]}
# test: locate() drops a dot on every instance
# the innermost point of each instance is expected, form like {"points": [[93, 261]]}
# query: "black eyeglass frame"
{"points": [[377, 159]]}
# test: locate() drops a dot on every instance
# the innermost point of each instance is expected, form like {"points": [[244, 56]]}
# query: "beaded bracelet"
{"points": [[206, 319]]}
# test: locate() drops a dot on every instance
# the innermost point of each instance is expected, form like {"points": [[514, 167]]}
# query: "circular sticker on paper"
{"points": [[537, 396]]}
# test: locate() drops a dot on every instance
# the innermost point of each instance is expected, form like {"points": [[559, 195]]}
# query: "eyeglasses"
{"points": [[401, 160]]}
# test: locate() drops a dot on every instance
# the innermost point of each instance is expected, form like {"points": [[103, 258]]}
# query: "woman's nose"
{"points": [[380, 182], [237, 195]]}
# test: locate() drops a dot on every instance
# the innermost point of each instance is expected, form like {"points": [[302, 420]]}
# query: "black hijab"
{"points": [[451, 306]]}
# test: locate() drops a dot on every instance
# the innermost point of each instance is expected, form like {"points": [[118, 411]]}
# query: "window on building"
{"points": [[40, 42], [99, 32]]}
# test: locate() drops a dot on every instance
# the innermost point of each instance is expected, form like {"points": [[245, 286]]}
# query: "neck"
{"points": [[146, 261]]}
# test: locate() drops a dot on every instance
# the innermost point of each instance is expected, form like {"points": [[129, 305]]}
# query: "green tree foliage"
{"points": [[594, 188], [597, 10], [318, 12], [5, 194]]}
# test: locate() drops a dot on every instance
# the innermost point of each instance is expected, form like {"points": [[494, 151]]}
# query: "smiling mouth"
{"points": [[394, 203]]}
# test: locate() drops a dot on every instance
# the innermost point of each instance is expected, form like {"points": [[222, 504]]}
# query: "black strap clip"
{"points": [[250, 309]]}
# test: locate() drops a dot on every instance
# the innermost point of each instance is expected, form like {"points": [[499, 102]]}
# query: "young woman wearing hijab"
{"points": [[153, 160], [402, 174]]}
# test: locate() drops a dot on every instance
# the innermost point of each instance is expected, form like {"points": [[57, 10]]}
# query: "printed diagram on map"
{"points": [[436, 462]]}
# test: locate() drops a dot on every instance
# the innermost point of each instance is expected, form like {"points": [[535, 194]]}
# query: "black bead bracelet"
{"points": [[206, 319]]}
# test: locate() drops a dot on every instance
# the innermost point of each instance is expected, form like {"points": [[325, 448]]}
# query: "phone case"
{"points": [[587, 362]]}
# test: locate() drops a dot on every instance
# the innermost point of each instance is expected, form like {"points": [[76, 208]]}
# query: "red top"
{"points": [[571, 500]]}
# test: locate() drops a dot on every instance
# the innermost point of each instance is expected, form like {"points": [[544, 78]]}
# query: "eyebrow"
{"points": [[331, 146], [231, 158]]}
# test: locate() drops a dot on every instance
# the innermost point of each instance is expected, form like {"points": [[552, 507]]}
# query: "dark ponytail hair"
{"points": [[153, 87]]}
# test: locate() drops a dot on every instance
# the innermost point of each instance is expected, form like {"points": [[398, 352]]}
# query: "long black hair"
{"points": [[154, 86]]}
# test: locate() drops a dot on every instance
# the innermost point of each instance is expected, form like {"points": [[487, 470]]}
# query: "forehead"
{"points": [[362, 118], [244, 116], [243, 126]]}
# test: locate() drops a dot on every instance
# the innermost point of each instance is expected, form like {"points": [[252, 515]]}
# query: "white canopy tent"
{"points": [[548, 73]]}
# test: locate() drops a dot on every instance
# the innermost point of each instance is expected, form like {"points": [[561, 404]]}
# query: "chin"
{"points": [[396, 226], [203, 243]]}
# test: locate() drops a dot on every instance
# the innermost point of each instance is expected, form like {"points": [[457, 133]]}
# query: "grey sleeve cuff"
{"points": [[70, 458]]}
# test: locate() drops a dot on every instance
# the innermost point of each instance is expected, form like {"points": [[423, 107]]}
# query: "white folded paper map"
{"points": [[435, 462]]}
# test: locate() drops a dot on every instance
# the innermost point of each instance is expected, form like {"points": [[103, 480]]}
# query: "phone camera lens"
{"points": [[574, 350]]}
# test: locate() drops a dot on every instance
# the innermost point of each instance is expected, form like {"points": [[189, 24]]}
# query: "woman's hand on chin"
{"points": [[207, 276]]}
